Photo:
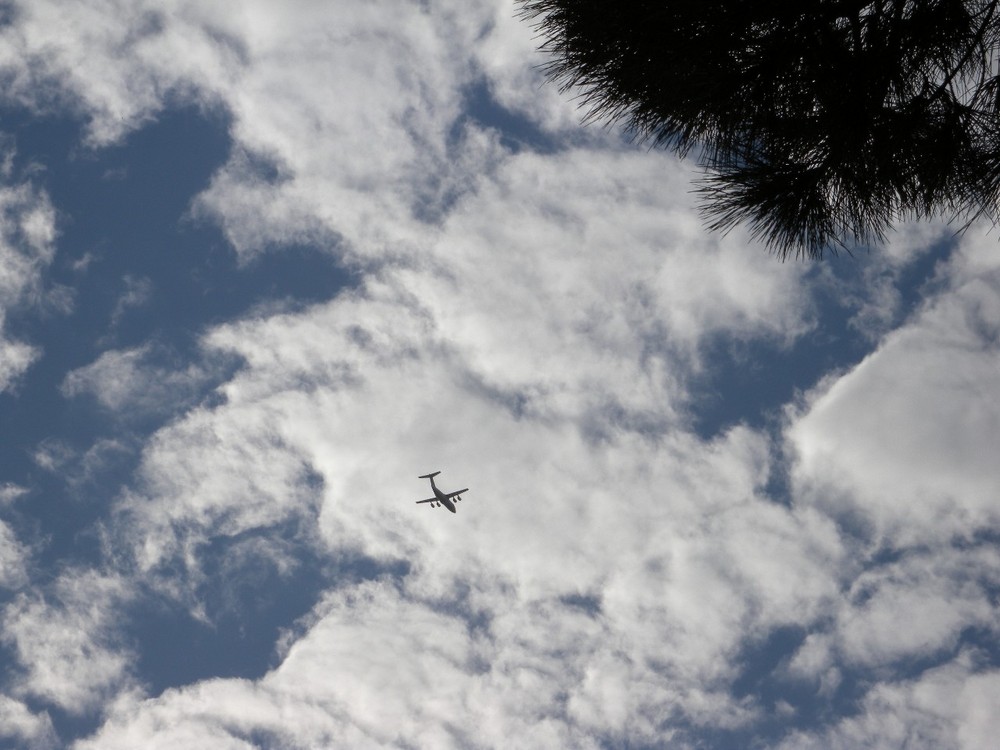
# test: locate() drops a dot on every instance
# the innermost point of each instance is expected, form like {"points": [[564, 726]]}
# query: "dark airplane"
{"points": [[441, 498]]}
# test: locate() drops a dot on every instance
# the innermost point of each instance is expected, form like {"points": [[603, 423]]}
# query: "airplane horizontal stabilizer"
{"points": [[428, 476]]}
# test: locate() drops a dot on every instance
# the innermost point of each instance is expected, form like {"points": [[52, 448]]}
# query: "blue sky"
{"points": [[262, 267]]}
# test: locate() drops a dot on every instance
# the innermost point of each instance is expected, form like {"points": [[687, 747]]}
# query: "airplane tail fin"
{"points": [[428, 476]]}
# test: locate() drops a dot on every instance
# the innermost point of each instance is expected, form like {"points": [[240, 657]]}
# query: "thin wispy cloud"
{"points": [[26, 249]]}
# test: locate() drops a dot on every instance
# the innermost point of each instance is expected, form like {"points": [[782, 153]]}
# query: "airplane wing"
{"points": [[458, 492], [428, 500]]}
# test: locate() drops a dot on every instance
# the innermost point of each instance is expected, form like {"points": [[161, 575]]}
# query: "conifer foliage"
{"points": [[819, 123]]}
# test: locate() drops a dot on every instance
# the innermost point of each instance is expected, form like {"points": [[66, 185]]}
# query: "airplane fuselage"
{"points": [[446, 502], [443, 498]]}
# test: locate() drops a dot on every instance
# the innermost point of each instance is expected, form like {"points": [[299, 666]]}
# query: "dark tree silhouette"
{"points": [[819, 123]]}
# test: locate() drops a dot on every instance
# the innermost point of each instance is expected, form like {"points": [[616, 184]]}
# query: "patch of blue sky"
{"points": [[516, 132], [255, 586], [67, 726], [248, 600]]}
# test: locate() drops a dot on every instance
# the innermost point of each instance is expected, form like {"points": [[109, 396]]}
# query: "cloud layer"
{"points": [[535, 323]]}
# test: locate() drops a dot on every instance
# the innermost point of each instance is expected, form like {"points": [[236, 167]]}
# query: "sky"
{"points": [[263, 264]]}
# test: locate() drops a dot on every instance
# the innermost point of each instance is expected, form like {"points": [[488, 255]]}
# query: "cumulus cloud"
{"points": [[330, 691], [390, 78], [898, 452], [903, 444], [372, 388], [947, 707]]}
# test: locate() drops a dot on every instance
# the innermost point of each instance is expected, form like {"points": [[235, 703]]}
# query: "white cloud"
{"points": [[138, 382], [53, 455], [513, 68], [951, 707], [375, 671], [30, 730], [876, 294], [138, 291], [917, 608], [9, 492], [13, 558], [201, 480], [899, 452], [66, 641], [79, 470], [15, 358], [114, 62], [27, 235], [904, 443], [353, 104]]}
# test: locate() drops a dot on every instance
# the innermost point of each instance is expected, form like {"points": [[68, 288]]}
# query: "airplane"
{"points": [[441, 498]]}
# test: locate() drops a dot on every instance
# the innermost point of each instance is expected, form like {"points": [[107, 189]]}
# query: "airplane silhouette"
{"points": [[441, 498]]}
